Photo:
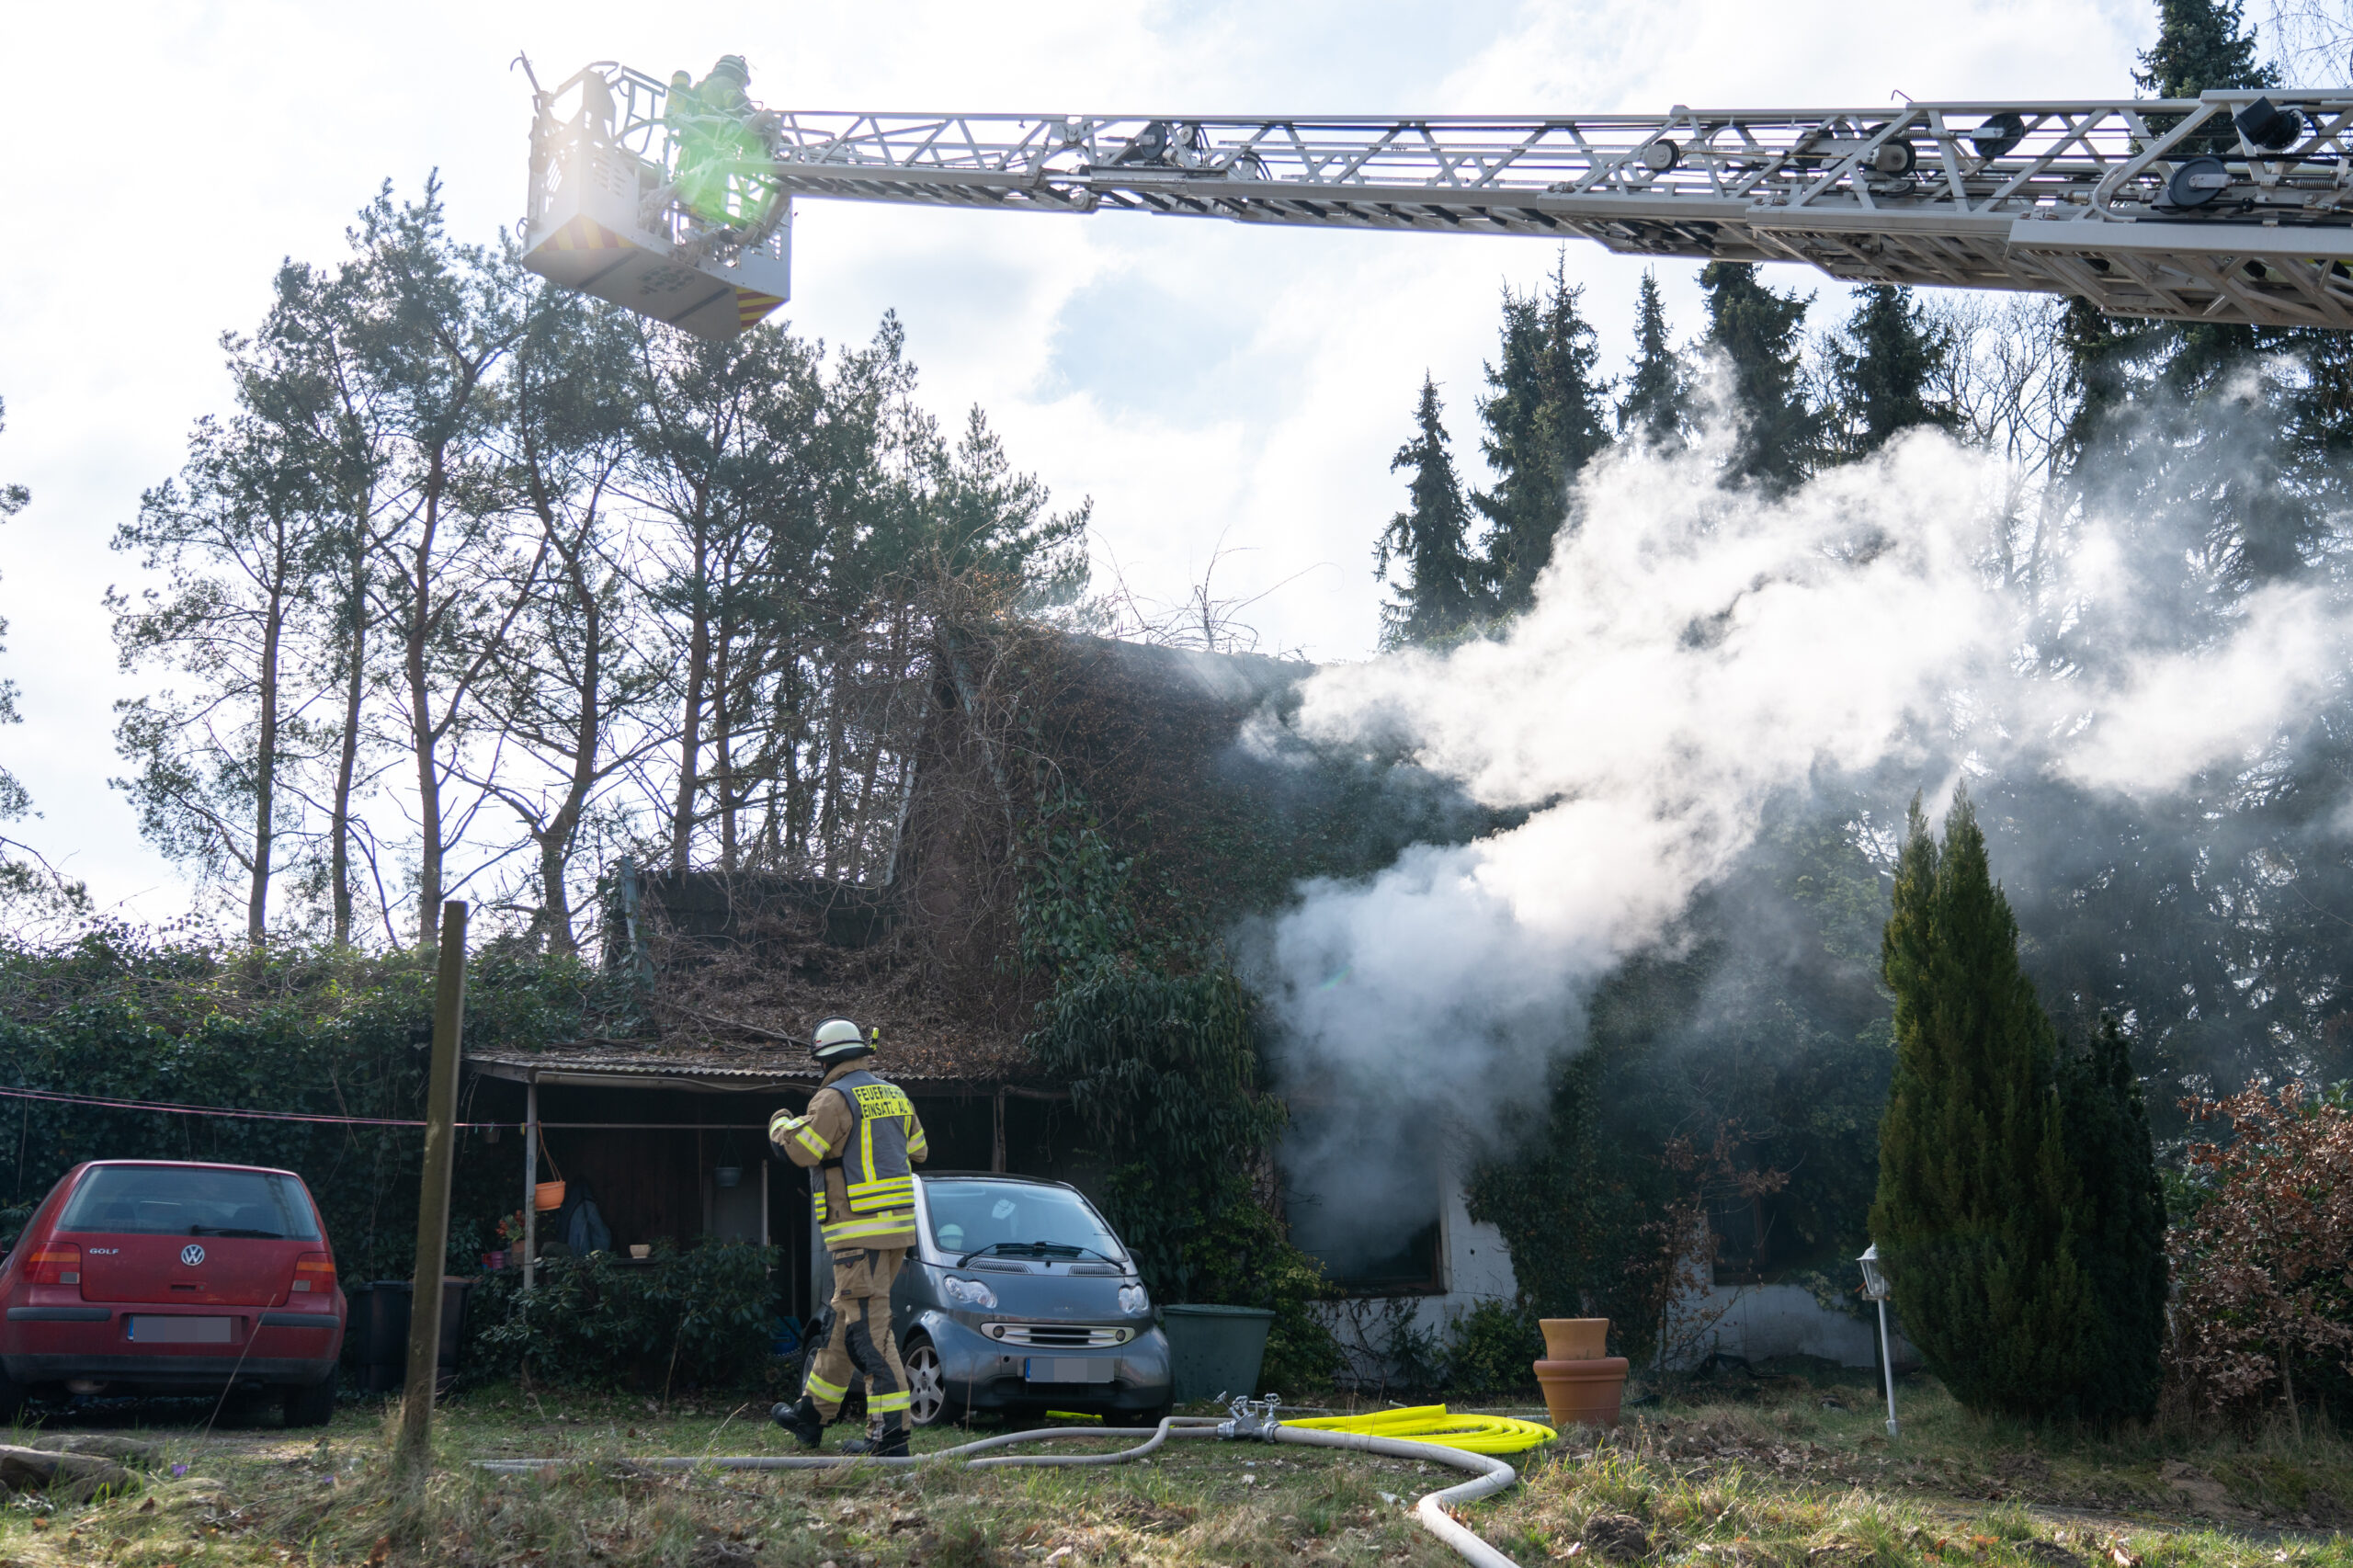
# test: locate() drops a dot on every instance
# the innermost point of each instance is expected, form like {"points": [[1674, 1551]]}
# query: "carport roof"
{"points": [[718, 1069]]}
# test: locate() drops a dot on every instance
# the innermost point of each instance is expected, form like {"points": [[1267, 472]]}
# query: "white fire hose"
{"points": [[1251, 1418]]}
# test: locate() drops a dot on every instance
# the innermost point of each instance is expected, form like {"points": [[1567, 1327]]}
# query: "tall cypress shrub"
{"points": [[1977, 1193], [2120, 1228]]}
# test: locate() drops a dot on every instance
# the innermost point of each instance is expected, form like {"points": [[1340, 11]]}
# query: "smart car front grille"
{"points": [[1058, 1336]]}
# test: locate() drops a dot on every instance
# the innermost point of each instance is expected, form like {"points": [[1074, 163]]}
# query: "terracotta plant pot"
{"points": [[1583, 1392], [1575, 1339]]}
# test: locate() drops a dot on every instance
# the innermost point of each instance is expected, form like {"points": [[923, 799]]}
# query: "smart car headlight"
{"points": [[970, 1292], [1132, 1298]]}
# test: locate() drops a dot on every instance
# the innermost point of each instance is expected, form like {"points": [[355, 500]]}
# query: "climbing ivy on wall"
{"points": [[1159, 1044]]}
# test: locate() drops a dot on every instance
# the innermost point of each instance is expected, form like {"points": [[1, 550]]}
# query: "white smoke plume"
{"points": [[1692, 653]]}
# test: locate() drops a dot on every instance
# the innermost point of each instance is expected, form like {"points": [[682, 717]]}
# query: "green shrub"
{"points": [[696, 1318], [1491, 1348]]}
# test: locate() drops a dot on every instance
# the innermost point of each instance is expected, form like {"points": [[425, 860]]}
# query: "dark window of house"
{"points": [[1384, 1248]]}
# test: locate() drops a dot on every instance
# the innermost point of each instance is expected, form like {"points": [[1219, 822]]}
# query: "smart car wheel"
{"points": [[927, 1385]]}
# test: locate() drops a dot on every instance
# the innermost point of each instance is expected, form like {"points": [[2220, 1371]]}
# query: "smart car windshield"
{"points": [[973, 1214], [190, 1200]]}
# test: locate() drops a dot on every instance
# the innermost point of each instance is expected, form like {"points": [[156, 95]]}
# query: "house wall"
{"points": [[1753, 1322], [1474, 1265]]}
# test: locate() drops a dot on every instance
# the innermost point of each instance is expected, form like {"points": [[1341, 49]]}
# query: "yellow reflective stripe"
{"points": [[808, 1139], [918, 1145], [879, 1225], [890, 1192], [866, 1144], [820, 1197], [883, 1404], [832, 1392], [892, 1220]]}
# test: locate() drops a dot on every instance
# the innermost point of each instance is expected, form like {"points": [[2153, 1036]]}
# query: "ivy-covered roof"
{"points": [[1186, 762]]}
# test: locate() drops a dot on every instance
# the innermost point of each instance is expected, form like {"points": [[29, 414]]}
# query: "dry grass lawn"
{"points": [[1773, 1473]]}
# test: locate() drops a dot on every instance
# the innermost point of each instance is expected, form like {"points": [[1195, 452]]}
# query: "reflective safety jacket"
{"points": [[862, 1133]]}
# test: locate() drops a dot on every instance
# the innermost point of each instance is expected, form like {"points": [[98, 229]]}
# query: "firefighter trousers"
{"points": [[859, 1339]]}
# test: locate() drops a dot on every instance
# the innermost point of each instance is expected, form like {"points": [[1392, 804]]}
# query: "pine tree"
{"points": [[1439, 596], [1658, 383], [1545, 421], [2119, 1228], [1883, 371], [1757, 331], [1976, 1189], [2202, 44]]}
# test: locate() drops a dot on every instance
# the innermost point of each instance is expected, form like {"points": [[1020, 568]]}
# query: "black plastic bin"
{"points": [[380, 1331]]}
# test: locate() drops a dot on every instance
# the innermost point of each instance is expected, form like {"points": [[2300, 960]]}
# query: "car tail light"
{"points": [[314, 1272], [54, 1265]]}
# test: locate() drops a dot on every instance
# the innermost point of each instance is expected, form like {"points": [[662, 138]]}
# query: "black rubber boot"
{"points": [[890, 1444], [802, 1420]]}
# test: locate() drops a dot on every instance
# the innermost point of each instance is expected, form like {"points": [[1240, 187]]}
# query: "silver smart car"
{"points": [[1019, 1299]]}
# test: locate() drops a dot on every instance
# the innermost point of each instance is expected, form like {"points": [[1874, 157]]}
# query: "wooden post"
{"points": [[531, 1177], [415, 1446]]}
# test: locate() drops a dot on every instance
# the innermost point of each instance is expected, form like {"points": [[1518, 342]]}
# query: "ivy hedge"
{"points": [[125, 1014]]}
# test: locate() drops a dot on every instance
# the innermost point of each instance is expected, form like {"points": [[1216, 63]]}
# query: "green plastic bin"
{"points": [[1215, 1351]]}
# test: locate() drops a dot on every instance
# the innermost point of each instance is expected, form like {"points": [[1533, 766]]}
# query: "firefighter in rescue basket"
{"points": [[861, 1133]]}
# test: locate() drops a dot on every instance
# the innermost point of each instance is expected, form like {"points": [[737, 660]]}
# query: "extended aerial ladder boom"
{"points": [[2233, 207]]}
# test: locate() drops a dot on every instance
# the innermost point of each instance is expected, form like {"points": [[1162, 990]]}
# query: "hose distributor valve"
{"points": [[1252, 1418]]}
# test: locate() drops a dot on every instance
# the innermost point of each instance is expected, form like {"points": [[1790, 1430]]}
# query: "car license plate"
{"points": [[1067, 1368], [180, 1331]]}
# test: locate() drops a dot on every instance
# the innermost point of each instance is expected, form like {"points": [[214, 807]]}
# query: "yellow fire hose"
{"points": [[1435, 1423]]}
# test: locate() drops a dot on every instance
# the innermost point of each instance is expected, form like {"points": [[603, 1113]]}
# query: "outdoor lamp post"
{"points": [[1875, 1287]]}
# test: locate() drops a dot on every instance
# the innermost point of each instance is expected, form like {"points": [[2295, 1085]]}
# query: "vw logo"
{"points": [[191, 1254]]}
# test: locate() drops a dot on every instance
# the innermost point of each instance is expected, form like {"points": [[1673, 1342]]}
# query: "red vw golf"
{"points": [[152, 1277]]}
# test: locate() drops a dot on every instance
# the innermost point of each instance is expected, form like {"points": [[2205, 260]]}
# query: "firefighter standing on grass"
{"points": [[861, 1133]]}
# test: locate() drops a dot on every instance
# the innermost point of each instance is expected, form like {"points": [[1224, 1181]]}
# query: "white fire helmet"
{"points": [[838, 1040]]}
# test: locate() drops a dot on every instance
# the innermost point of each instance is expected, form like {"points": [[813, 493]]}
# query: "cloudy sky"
{"points": [[1201, 381]]}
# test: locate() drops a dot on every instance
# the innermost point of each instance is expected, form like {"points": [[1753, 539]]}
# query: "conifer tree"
{"points": [[2202, 44], [1757, 331], [2119, 1228], [1976, 1189], [1658, 381], [1545, 419], [1883, 370], [1439, 595]]}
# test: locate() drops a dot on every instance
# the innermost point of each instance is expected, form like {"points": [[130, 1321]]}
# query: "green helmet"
{"points": [[838, 1040]]}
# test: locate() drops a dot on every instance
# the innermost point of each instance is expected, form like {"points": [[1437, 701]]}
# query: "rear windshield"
{"points": [[190, 1200], [1016, 1219]]}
